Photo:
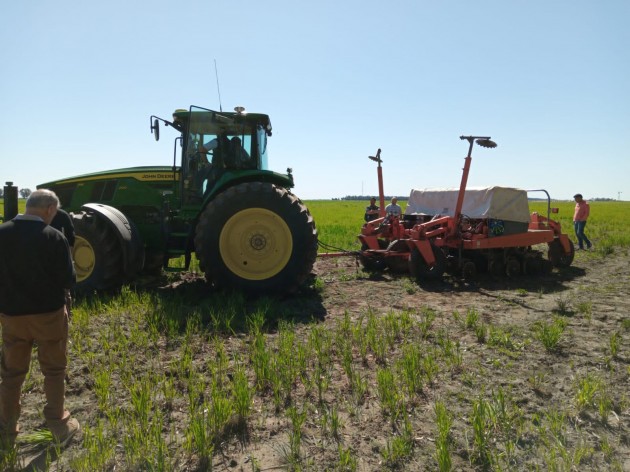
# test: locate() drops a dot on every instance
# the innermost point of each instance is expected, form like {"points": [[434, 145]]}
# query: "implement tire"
{"points": [[556, 254], [97, 254], [419, 269], [373, 263], [258, 238]]}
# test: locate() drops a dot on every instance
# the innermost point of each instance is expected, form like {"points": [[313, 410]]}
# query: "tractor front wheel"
{"points": [[256, 237], [97, 254]]}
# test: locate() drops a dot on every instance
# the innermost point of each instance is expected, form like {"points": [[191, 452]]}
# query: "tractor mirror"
{"points": [[155, 129]]}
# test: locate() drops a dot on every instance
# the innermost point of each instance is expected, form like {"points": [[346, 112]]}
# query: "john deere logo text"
{"points": [[156, 177]]}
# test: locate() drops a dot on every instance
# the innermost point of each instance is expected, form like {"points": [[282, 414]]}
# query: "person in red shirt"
{"points": [[579, 220]]}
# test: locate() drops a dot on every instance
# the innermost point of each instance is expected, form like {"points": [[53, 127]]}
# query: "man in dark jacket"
{"points": [[35, 271], [371, 211], [63, 222]]}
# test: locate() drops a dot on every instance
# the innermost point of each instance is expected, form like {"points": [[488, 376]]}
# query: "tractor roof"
{"points": [[182, 116]]}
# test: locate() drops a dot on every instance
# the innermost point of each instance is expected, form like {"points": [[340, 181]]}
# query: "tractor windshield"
{"points": [[218, 142]]}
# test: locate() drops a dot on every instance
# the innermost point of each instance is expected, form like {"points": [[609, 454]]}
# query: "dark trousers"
{"points": [[579, 233]]}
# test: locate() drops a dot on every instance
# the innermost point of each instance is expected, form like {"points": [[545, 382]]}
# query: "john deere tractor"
{"points": [[244, 225]]}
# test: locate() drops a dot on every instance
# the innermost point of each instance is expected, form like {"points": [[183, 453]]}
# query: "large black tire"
{"points": [[97, 253], [556, 254], [258, 238], [419, 269]]}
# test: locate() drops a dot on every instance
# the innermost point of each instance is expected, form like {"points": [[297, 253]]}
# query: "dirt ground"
{"points": [[601, 283], [593, 296]]}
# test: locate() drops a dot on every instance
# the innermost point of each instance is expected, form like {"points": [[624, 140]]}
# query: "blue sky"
{"points": [[548, 80]]}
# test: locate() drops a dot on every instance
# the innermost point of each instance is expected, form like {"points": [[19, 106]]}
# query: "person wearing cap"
{"points": [[371, 211], [579, 221]]}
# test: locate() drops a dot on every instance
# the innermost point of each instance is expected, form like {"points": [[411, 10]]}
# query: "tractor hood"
{"points": [[143, 173]]}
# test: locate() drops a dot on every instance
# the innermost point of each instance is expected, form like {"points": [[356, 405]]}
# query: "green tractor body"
{"points": [[217, 200]]}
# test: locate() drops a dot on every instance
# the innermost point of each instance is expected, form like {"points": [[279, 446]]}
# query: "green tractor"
{"points": [[246, 228]]}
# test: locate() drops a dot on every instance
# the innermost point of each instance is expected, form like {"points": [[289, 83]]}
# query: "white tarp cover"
{"points": [[501, 203]]}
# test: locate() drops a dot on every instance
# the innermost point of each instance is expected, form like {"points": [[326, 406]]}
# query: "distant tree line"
{"points": [[24, 192], [367, 197], [402, 199]]}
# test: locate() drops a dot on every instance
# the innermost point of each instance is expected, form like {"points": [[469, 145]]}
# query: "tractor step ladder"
{"points": [[176, 247]]}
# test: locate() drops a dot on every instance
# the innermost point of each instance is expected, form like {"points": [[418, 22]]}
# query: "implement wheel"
{"points": [[512, 267], [557, 256], [419, 269], [373, 263], [258, 238], [469, 270]]}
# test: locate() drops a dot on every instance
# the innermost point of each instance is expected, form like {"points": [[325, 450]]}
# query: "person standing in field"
{"points": [[580, 216], [393, 209], [371, 211], [35, 271], [62, 222]]}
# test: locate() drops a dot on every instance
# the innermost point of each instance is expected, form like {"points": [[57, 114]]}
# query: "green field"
{"points": [[339, 222]]}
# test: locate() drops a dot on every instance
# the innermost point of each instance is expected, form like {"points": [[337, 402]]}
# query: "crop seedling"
{"points": [[585, 309], [427, 316], [347, 462], [399, 448], [387, 391], [472, 318], [563, 306], [614, 342], [587, 387], [442, 438], [480, 421], [410, 366], [549, 334]]}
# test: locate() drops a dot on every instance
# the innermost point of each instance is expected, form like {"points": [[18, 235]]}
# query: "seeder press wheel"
{"points": [[419, 269], [557, 255]]}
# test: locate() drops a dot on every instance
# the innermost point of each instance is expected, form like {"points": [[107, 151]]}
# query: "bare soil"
{"points": [[593, 296]]}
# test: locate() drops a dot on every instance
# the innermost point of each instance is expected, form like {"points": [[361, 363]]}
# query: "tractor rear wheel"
{"points": [[419, 269], [256, 237], [556, 254], [97, 254]]}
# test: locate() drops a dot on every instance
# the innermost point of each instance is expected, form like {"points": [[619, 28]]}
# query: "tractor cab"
{"points": [[217, 145]]}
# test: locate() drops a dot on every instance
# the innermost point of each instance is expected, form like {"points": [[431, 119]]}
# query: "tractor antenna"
{"points": [[216, 73]]}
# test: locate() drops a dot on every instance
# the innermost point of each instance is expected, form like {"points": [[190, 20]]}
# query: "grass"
{"points": [[339, 222], [222, 386]]}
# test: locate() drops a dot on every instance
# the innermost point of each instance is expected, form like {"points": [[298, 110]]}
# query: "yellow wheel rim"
{"points": [[84, 258], [255, 244]]}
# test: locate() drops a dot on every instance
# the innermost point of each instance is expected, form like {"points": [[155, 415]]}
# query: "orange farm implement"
{"points": [[464, 232]]}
